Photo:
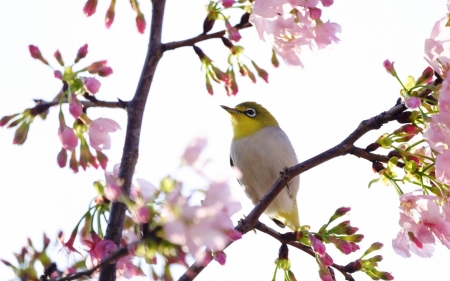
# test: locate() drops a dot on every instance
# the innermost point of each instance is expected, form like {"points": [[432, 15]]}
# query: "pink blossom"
{"points": [[105, 71], [193, 150], [140, 23], [437, 134], [113, 189], [228, 3], [89, 7], [68, 138], [82, 52], [437, 47], [443, 167], [233, 33], [326, 260], [412, 102], [75, 107], [140, 214], [99, 130], [92, 85], [304, 3], [68, 246], [142, 190], [98, 249], [326, 34]]}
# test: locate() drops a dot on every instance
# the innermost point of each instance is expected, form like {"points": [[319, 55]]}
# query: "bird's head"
{"points": [[248, 118]]}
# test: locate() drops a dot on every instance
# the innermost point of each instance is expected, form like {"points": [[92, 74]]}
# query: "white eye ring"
{"points": [[250, 112]]}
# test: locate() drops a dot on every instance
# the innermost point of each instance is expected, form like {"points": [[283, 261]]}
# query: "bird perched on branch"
{"points": [[261, 149]]}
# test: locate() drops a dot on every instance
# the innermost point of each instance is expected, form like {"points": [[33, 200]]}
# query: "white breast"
{"points": [[261, 157]]}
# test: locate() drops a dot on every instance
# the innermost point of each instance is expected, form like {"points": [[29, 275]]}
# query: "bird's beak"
{"points": [[230, 110]]}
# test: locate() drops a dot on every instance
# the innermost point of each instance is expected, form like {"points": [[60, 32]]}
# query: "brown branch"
{"points": [[118, 254], [361, 153], [42, 106], [135, 109], [202, 37]]}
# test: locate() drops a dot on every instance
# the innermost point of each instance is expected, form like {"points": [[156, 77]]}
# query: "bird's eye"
{"points": [[250, 112]]}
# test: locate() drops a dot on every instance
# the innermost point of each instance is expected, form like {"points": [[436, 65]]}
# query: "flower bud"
{"points": [[227, 42], [283, 252], [372, 147], [82, 52], [105, 71], [353, 266], [208, 24], [96, 66], [21, 133], [102, 159], [36, 53], [90, 7], [274, 59], [374, 247], [6, 119], [426, 76], [394, 153], [244, 20], [228, 3], [220, 257], [389, 67], [209, 87], [109, 17], [73, 163], [199, 52], [250, 74], [315, 13], [62, 158], [339, 213], [58, 57], [140, 23], [407, 117], [261, 72]]}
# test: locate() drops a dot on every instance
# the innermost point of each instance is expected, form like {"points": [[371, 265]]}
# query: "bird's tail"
{"points": [[290, 219]]}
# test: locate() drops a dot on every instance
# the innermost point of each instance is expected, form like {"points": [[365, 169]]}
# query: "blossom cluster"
{"points": [[294, 25]]}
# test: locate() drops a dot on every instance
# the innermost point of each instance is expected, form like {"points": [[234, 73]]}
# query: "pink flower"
{"points": [[113, 190], [193, 150], [68, 138], [326, 34], [142, 190], [105, 71], [92, 85], [437, 48], [443, 167], [233, 33], [99, 130], [75, 107], [89, 7], [228, 3], [140, 214], [140, 23], [98, 250]]}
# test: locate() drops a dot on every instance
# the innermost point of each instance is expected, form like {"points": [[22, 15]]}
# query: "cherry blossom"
{"points": [[75, 107], [92, 85], [99, 130], [68, 138]]}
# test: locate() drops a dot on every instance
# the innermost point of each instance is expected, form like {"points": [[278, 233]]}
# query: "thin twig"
{"points": [[202, 37]]}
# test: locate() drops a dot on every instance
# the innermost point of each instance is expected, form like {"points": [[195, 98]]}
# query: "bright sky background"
{"points": [[317, 106]]}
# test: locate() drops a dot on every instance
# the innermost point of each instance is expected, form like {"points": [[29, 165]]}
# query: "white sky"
{"points": [[317, 106]]}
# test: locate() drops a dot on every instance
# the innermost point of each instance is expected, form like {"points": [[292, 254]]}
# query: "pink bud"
{"points": [[234, 235], [89, 7], [68, 138], [233, 33], [102, 159], [96, 66], [389, 67], [327, 3], [317, 245], [82, 52], [35, 52], [140, 23], [62, 158], [91, 84], [58, 74], [220, 257], [75, 107], [315, 13], [141, 215], [105, 71], [326, 260], [58, 57], [413, 102], [228, 3], [109, 18]]}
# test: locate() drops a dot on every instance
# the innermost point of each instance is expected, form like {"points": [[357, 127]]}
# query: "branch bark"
{"points": [[135, 109]]}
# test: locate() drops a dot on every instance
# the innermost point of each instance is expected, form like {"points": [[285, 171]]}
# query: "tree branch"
{"points": [[202, 37], [42, 106], [135, 109]]}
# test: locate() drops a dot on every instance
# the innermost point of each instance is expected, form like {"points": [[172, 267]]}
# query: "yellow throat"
{"points": [[248, 118]]}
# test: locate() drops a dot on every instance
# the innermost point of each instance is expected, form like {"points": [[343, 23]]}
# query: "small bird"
{"points": [[261, 149]]}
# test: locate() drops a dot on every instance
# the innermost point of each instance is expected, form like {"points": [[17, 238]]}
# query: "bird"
{"points": [[261, 150]]}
